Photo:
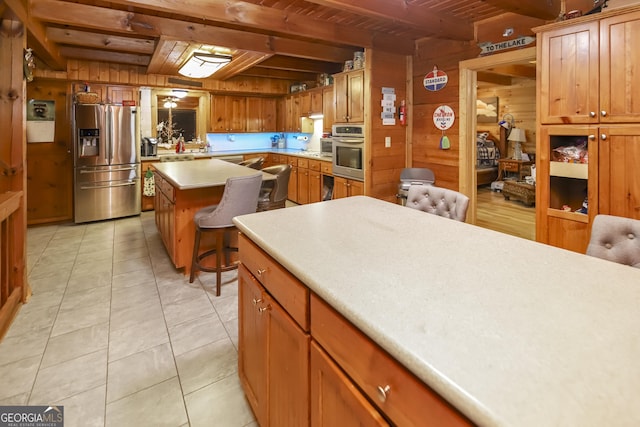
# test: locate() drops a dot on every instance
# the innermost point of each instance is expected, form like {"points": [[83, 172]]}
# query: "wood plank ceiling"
{"points": [[288, 39]]}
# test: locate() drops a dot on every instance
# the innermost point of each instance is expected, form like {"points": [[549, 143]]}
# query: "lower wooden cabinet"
{"points": [[301, 363], [335, 401], [273, 357], [343, 187], [165, 213]]}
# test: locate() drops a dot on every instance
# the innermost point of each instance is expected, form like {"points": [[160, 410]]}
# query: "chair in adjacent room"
{"points": [[253, 163], [438, 201], [240, 197], [616, 239], [273, 194]]}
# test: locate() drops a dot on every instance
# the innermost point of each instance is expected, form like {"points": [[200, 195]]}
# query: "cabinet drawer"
{"points": [[293, 161], [165, 187], [408, 400], [303, 163], [511, 167], [326, 168], [283, 287], [314, 165]]}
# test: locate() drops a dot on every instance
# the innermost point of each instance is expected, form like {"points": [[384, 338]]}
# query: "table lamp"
{"points": [[517, 136]]}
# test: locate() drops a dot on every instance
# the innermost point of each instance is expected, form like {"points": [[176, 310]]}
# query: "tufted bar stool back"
{"points": [[253, 163], [240, 197], [438, 201], [615, 239], [273, 194]]}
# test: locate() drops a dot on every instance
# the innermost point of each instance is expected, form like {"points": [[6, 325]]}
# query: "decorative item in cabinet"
{"points": [[568, 171]]}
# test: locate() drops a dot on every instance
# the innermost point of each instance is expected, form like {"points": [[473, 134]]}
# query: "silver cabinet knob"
{"points": [[603, 136], [603, 113], [261, 272], [256, 301], [592, 114], [592, 137], [383, 393], [263, 309]]}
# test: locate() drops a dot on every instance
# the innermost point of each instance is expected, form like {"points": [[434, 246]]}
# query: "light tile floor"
{"points": [[118, 336]]}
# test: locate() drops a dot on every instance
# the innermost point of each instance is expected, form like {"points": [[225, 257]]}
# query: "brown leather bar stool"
{"points": [[273, 194], [253, 163], [240, 197]]}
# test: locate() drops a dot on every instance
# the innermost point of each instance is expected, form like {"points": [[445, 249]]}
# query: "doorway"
{"points": [[469, 71]]}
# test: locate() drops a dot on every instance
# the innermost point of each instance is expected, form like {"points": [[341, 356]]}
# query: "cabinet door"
{"points": [[619, 189], [334, 399], [236, 114], [328, 109], [289, 114], [254, 114], [219, 114], [315, 186], [355, 96], [269, 114], [305, 103], [569, 61], [340, 189], [288, 350], [303, 185], [117, 94], [252, 342], [619, 67], [316, 101], [356, 188], [340, 96]]}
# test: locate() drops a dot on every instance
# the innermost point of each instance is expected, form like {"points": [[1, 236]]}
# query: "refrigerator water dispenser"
{"points": [[89, 140]]}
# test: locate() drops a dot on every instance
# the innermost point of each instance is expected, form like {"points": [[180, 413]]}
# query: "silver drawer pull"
{"points": [[256, 301], [260, 272], [383, 392]]}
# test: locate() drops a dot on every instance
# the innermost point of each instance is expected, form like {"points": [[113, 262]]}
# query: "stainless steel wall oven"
{"points": [[348, 150]]}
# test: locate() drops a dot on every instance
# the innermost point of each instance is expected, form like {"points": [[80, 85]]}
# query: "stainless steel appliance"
{"points": [[106, 162], [326, 147], [348, 150]]}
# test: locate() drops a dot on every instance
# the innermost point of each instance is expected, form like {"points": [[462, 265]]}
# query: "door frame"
{"points": [[467, 181]]}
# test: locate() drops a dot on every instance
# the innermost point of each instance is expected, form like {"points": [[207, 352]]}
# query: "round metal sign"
{"points": [[435, 80], [444, 117]]}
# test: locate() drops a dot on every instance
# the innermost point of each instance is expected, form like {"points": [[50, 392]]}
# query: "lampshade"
{"points": [[517, 135], [202, 65], [170, 103]]}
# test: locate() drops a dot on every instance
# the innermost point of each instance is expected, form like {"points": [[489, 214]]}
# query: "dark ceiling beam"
{"points": [[259, 18], [75, 14], [273, 73], [426, 20], [542, 9], [46, 51]]}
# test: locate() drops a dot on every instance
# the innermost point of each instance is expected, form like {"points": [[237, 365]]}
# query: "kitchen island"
{"points": [[508, 331], [182, 188]]}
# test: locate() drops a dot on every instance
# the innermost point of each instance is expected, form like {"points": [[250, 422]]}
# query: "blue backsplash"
{"points": [[255, 141]]}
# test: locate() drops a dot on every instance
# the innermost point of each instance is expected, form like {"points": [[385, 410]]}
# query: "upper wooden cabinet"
{"points": [[328, 108], [228, 114], [261, 114], [349, 96], [587, 71]]}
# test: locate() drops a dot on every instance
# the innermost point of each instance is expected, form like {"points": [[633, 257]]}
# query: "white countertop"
{"points": [[511, 332], [204, 173], [315, 155]]}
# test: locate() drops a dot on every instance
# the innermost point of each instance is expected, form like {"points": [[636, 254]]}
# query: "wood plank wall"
{"points": [[425, 143], [102, 72]]}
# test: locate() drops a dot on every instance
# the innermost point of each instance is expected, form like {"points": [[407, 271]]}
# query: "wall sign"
{"points": [[489, 48], [41, 120], [443, 117], [435, 80]]}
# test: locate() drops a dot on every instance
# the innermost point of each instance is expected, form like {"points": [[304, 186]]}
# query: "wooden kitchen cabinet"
{"points": [[293, 178], [585, 77], [335, 400], [349, 96], [303, 181], [301, 363], [228, 114], [165, 213], [261, 114], [328, 109], [315, 181], [344, 187], [273, 337]]}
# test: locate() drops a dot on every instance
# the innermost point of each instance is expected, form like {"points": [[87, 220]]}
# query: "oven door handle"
{"points": [[349, 140]]}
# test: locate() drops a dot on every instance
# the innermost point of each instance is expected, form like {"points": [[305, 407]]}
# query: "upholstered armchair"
{"points": [[438, 201], [615, 239]]}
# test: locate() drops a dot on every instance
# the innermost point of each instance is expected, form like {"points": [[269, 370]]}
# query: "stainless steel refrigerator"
{"points": [[106, 162]]}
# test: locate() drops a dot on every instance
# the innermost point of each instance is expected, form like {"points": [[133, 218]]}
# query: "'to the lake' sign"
{"points": [[444, 117], [489, 48], [435, 80]]}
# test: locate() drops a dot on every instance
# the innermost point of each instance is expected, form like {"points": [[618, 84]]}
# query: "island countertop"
{"points": [[511, 332], [203, 173]]}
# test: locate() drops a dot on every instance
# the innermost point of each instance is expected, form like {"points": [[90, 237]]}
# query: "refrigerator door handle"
{"points": [[109, 112], [93, 187], [130, 168]]}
